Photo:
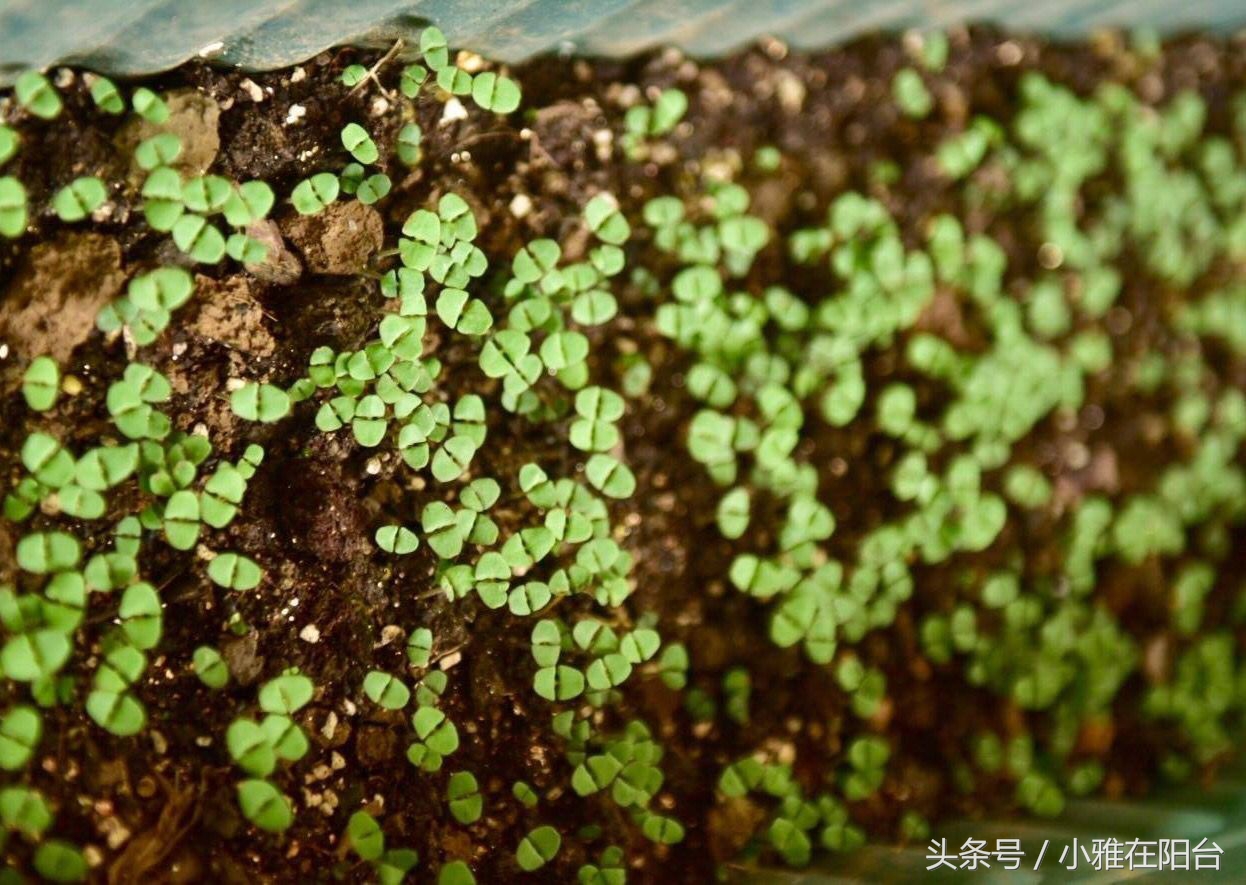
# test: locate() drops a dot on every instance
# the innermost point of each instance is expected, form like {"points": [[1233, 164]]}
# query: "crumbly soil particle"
{"points": [[338, 241], [50, 304], [161, 807]]}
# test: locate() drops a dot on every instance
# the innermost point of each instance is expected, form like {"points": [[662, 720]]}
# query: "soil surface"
{"points": [[161, 807]]}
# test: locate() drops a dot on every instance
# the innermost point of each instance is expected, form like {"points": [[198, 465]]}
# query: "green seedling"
{"points": [[463, 794], [60, 861], [36, 94], [538, 848], [359, 145], [79, 199], [260, 402], [456, 872], [150, 106], [365, 835], [210, 667], [495, 93], [408, 144], [353, 75], [106, 96], [158, 151], [9, 143], [12, 208], [264, 805], [386, 690], [234, 571], [910, 94], [21, 730], [312, 195], [41, 383]]}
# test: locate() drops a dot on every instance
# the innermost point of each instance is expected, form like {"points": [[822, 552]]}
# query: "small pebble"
{"points": [[252, 89], [521, 205], [453, 112]]}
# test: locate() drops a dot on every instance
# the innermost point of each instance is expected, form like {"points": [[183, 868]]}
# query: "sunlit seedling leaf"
{"points": [[605, 220], [413, 77], [433, 48], [910, 93], [453, 458], [250, 748], [365, 836], [353, 75], [454, 80], [245, 249], [44, 552], [36, 94], [199, 239], [558, 683], [456, 872], [264, 805], [234, 571], [397, 539], [78, 199], [36, 655], [420, 647], [159, 151], [12, 208], [25, 811], [210, 667], [117, 712], [495, 93], [373, 188], [663, 830], [141, 616], [286, 694], [610, 476], [59, 861], [386, 690], [312, 195], [41, 383], [150, 106], [260, 402], [463, 794], [435, 730], [21, 729], [369, 423], [408, 144], [162, 198], [359, 144], [9, 142], [285, 736], [106, 96], [469, 316], [538, 848], [181, 520]]}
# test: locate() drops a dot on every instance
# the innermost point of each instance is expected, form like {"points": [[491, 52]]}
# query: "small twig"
{"points": [[372, 72]]}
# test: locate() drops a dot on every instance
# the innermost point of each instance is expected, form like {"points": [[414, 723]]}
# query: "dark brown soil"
{"points": [[161, 807]]}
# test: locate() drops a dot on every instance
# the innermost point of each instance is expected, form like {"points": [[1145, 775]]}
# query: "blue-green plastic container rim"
{"points": [[133, 37]]}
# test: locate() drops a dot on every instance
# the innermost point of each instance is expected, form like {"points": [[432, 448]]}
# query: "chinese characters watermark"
{"points": [[1099, 855]]}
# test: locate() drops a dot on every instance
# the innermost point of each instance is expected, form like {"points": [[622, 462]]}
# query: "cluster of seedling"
{"points": [[387, 390], [771, 363], [765, 362], [43, 622]]}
